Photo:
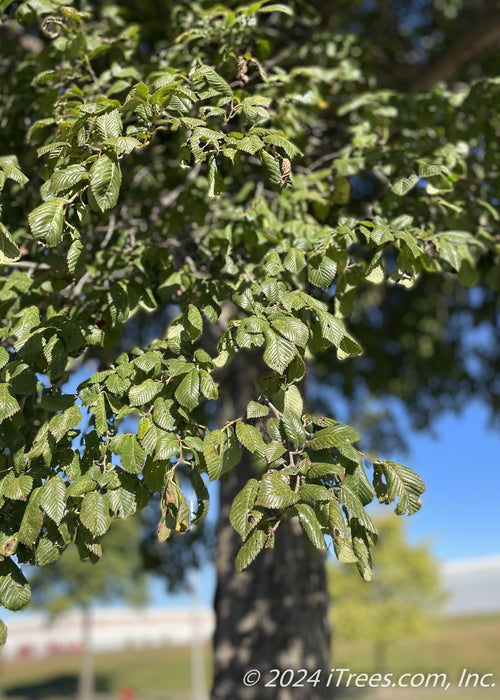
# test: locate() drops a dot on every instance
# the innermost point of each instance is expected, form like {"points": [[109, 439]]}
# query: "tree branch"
{"points": [[481, 37], [484, 34]]}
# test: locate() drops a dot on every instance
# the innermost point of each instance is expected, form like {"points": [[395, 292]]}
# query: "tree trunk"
{"points": [[273, 615], [86, 678], [380, 657]]}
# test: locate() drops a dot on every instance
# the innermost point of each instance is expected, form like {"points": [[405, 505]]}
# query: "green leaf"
{"points": [[292, 329], [277, 7], [105, 181], [295, 261], [356, 510], [349, 347], [19, 488], [207, 385], [332, 329], [144, 392], [188, 391], [215, 183], [63, 422], [74, 256], [314, 492], [322, 273], [68, 178], [274, 492], [279, 351], [215, 81], [319, 470], [53, 498], [361, 549], [221, 451], [254, 544], [404, 185], [162, 414], [122, 502], [4, 357], [148, 361], [3, 633], [250, 437], [32, 521], [47, 552], [99, 411], [123, 144], [428, 169], [273, 451], [167, 447], [195, 321], [94, 513], [9, 252], [8, 404], [110, 125], [47, 220], [15, 592], [334, 436], [132, 455], [294, 427], [277, 140], [293, 400], [147, 434], [394, 481], [256, 410], [81, 485], [309, 521], [272, 264], [271, 167], [243, 504]]}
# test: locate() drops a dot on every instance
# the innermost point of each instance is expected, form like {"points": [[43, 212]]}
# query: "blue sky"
{"points": [[461, 469]]}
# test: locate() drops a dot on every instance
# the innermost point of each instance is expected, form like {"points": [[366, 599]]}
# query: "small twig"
{"points": [[231, 423], [168, 199], [110, 229], [274, 527], [273, 408], [90, 69], [318, 161], [78, 288], [28, 265]]}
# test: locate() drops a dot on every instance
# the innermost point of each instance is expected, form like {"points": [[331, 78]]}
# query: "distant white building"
{"points": [[37, 635], [473, 585]]}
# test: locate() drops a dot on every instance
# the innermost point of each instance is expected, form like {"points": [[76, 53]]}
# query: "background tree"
{"points": [[70, 582], [402, 601], [352, 215]]}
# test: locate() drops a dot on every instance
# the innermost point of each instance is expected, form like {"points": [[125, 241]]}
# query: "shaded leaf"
{"points": [[242, 506], [105, 181], [14, 589], [254, 544], [188, 391], [47, 220], [274, 492], [309, 521]]}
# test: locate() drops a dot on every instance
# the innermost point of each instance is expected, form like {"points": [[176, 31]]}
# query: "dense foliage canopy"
{"points": [[213, 176]]}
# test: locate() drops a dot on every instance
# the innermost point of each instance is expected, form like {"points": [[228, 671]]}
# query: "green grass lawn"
{"points": [[164, 673]]}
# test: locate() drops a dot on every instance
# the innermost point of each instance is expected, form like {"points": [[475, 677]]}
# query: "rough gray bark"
{"points": [[275, 613], [272, 615]]}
